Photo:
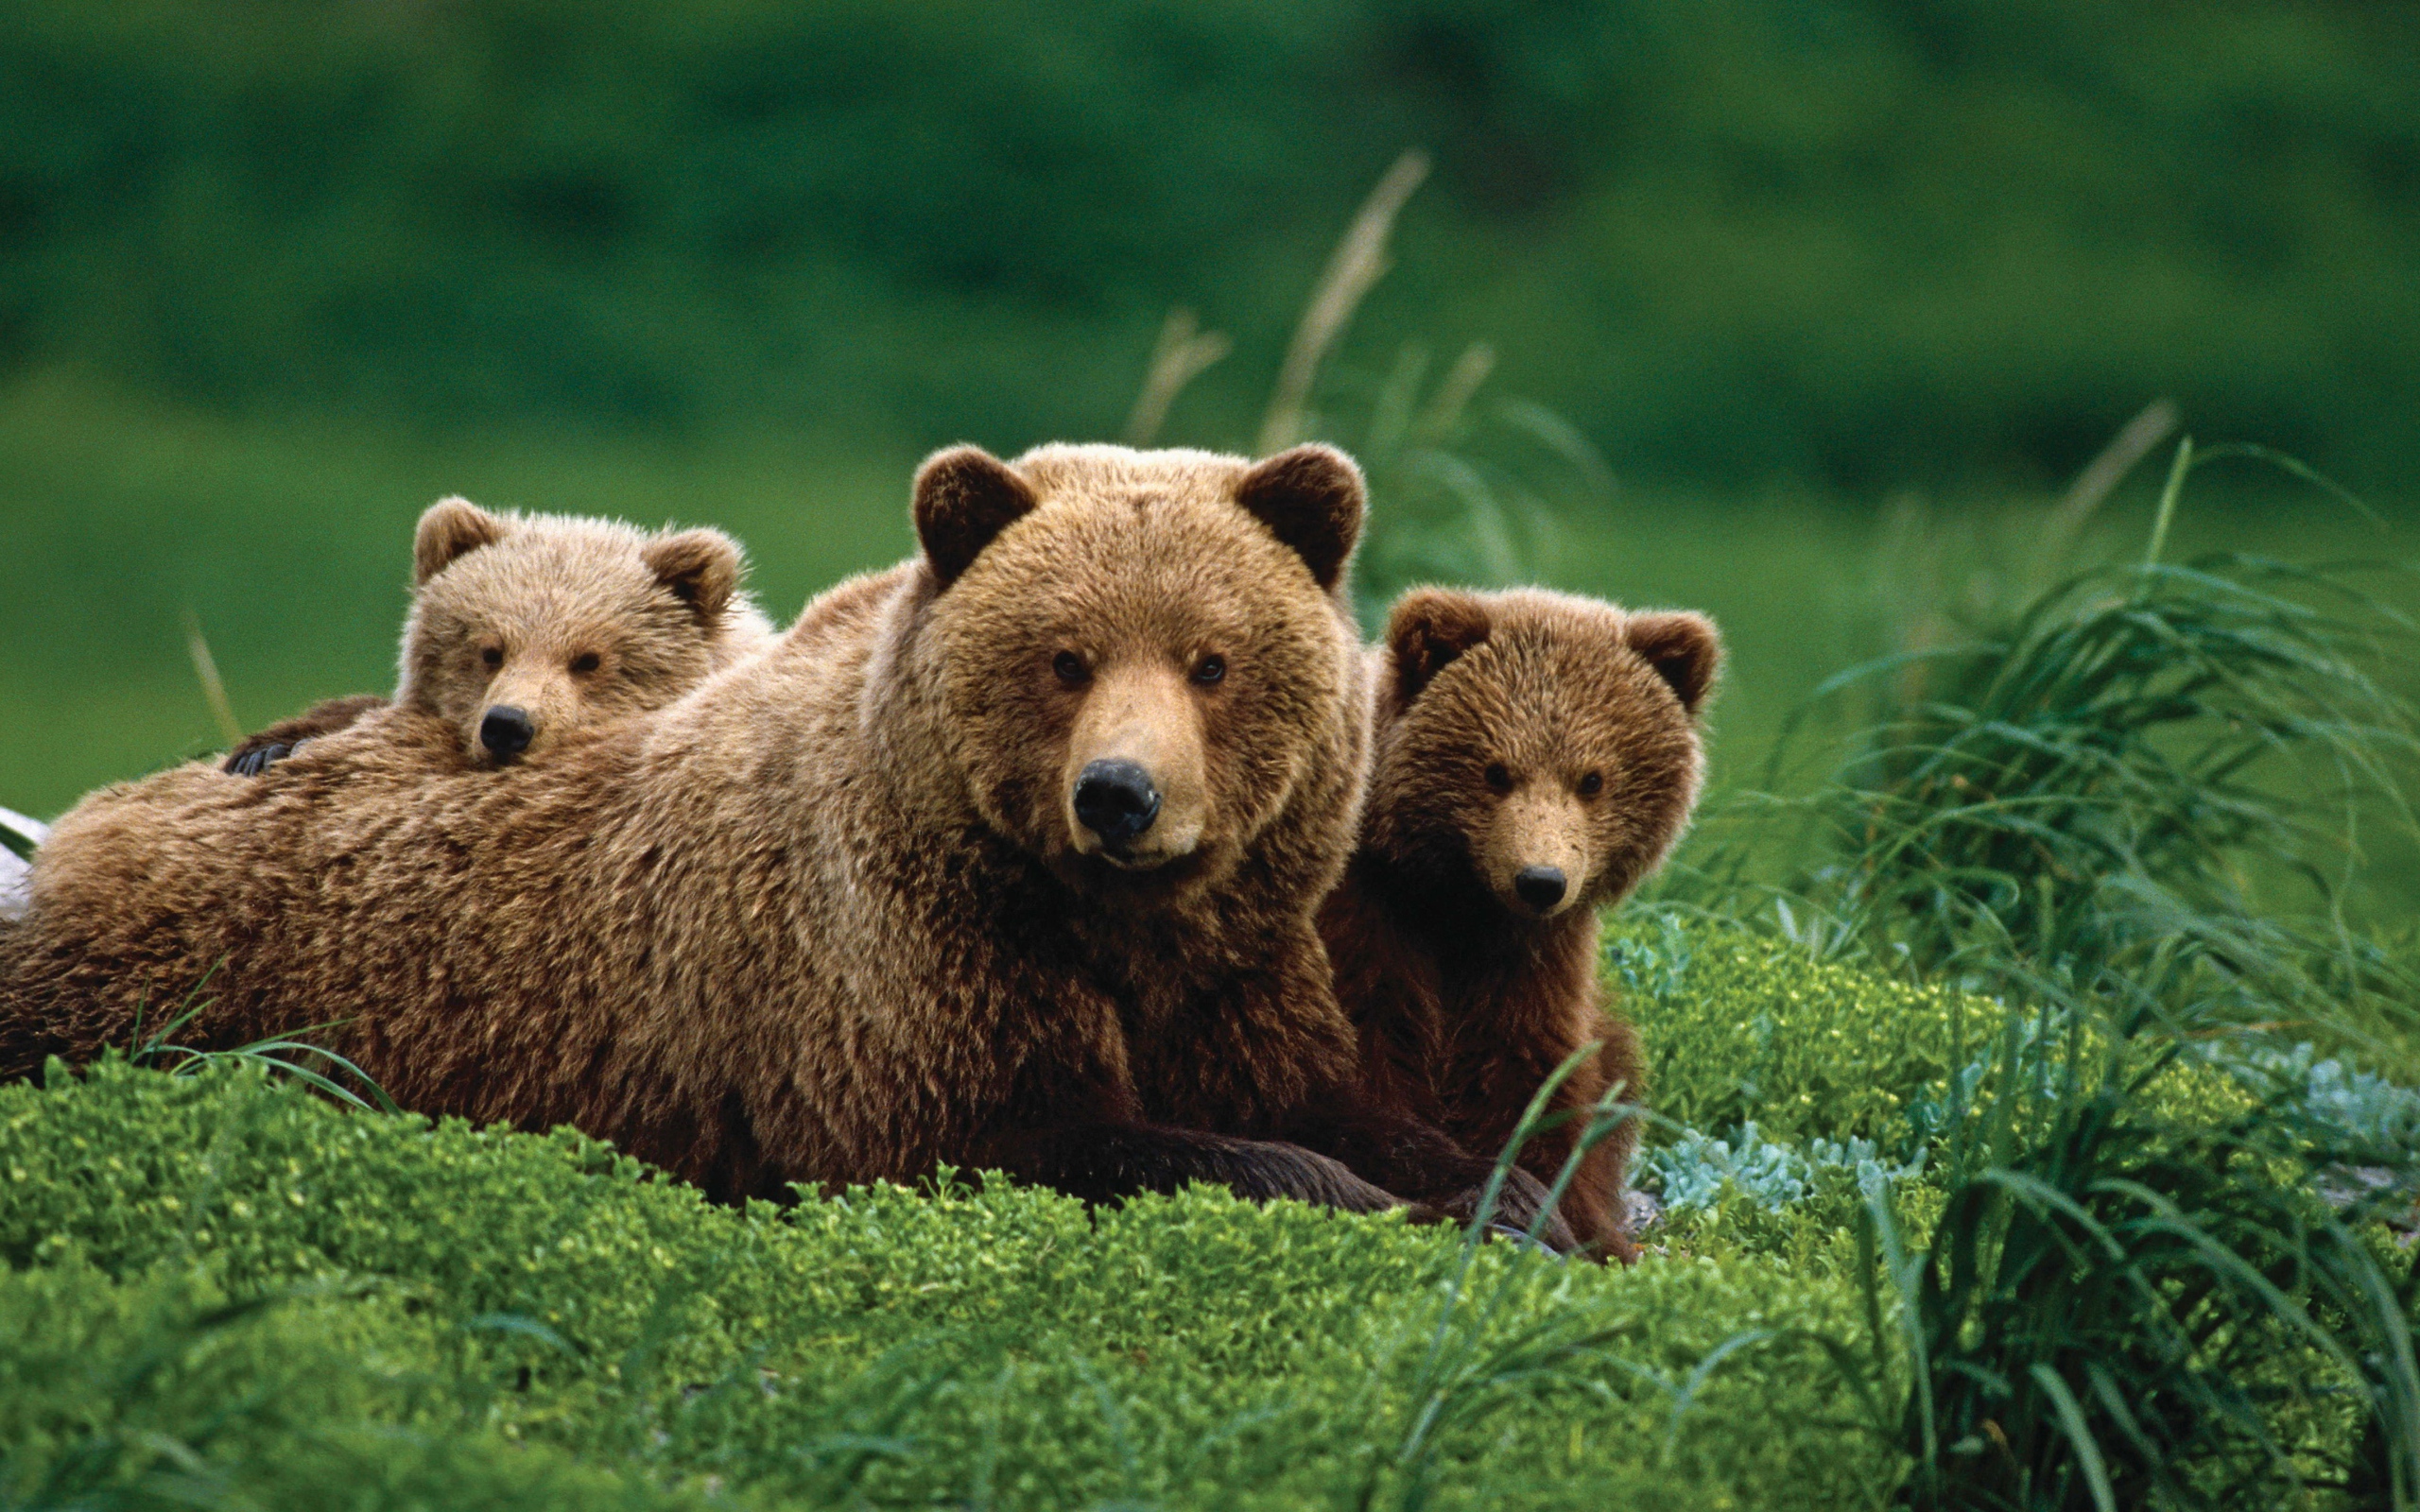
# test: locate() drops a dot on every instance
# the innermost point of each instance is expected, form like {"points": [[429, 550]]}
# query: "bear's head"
{"points": [[525, 629], [1141, 661], [1544, 747]]}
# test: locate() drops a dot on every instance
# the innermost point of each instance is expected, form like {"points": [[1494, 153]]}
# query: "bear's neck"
{"points": [[1494, 972]]}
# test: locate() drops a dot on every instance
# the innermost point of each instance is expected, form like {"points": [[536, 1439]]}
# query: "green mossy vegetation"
{"points": [[223, 1288]]}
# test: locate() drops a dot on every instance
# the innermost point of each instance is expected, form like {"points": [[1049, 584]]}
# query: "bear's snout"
{"points": [[1537, 855], [1117, 800], [507, 732], [1133, 789], [1541, 887]]}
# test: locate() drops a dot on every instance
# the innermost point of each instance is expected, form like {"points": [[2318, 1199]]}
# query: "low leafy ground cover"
{"points": [[225, 1291], [222, 1289]]}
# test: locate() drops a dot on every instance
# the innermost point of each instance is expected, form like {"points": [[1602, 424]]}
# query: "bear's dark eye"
{"points": [[585, 661], [1209, 670], [1500, 776], [1070, 668], [491, 655], [1592, 784]]}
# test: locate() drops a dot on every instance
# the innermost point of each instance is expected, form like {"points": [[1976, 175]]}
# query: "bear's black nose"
{"points": [[1541, 887], [507, 732], [1117, 800]]}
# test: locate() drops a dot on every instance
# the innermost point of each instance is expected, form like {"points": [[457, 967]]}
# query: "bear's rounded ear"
{"points": [[447, 529], [1310, 498], [965, 497], [701, 567], [1429, 627], [1685, 649]]}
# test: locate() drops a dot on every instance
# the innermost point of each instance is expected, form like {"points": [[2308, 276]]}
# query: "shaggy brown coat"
{"points": [[1518, 733], [573, 622], [832, 917]]}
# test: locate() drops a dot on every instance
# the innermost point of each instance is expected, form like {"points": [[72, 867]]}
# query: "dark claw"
{"points": [[1516, 1207], [258, 759], [1511, 1235]]}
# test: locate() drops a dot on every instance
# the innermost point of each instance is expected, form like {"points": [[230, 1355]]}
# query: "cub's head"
{"points": [[527, 627], [1142, 659], [1544, 748]]}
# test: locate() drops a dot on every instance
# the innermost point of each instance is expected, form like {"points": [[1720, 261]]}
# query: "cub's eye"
{"points": [[491, 655], [1209, 670], [586, 662], [1070, 668], [1500, 776], [1592, 784]]}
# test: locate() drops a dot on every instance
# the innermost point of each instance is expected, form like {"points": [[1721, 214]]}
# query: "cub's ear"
{"points": [[447, 529], [1311, 499], [965, 497], [701, 567], [1428, 628], [1685, 650]]}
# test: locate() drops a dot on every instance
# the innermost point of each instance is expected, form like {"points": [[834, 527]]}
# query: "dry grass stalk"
{"points": [[1182, 353], [206, 668], [1359, 262], [2102, 474]]}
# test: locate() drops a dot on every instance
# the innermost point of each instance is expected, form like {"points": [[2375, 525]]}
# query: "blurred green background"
{"points": [[1771, 287]]}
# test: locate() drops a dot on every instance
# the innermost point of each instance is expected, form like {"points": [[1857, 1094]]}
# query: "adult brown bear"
{"points": [[1007, 859]]}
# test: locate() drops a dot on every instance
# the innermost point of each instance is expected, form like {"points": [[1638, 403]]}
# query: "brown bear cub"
{"points": [[1008, 858], [1536, 755], [525, 629]]}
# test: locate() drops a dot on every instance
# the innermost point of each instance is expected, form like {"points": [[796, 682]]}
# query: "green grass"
{"points": [[2126, 1285], [1731, 239], [224, 1290], [217, 1282]]}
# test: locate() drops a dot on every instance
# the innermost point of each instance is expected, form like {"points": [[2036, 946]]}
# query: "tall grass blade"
{"points": [[205, 667], [1183, 354], [2101, 476], [21, 835], [2078, 1433], [1354, 267], [2168, 497]]}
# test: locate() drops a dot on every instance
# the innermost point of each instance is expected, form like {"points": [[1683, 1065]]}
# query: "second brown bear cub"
{"points": [[525, 629], [1536, 755]]}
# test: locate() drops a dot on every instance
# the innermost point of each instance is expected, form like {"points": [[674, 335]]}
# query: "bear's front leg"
{"points": [[1282, 1055], [1076, 1124], [1103, 1162], [1424, 1163]]}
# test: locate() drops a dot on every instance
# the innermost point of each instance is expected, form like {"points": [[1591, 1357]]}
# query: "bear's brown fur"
{"points": [[834, 916], [1522, 731], [570, 622]]}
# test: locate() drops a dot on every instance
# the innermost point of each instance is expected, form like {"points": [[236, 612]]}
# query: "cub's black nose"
{"points": [[1117, 800], [1541, 887], [506, 731]]}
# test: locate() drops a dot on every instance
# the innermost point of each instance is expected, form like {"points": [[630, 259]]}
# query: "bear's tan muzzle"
{"points": [[1537, 858], [1134, 788], [541, 699]]}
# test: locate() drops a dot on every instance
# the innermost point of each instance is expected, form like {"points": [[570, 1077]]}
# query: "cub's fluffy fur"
{"points": [[568, 622], [1536, 756]]}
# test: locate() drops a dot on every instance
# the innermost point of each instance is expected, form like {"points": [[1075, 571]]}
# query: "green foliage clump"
{"points": [[2150, 1273], [220, 1282], [1741, 1027], [2117, 1307], [165, 1392]]}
